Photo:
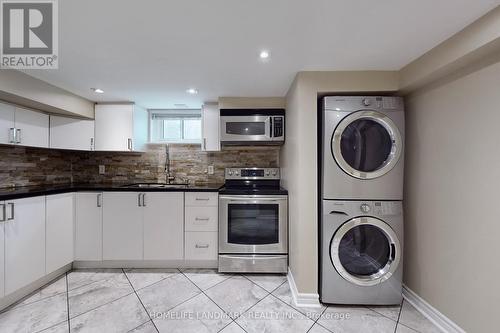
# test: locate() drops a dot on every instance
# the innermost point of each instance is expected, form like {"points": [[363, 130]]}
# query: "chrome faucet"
{"points": [[169, 177]]}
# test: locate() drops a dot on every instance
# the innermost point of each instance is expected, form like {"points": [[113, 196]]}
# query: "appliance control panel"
{"points": [[384, 208], [252, 173]]}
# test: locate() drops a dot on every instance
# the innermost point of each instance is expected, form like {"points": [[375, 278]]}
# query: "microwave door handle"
{"points": [[271, 129]]}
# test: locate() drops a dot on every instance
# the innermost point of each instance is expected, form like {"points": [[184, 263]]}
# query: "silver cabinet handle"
{"points": [[12, 212], [129, 144], [4, 212], [201, 218], [99, 200], [204, 143], [202, 199], [91, 143], [18, 135], [144, 200], [139, 199], [202, 246], [12, 135]]}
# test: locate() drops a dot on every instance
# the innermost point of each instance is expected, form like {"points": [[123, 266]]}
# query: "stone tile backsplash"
{"points": [[26, 166]]}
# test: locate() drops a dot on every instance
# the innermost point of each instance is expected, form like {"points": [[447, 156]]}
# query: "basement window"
{"points": [[175, 126]]}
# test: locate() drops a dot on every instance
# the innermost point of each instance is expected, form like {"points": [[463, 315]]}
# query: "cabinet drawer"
{"points": [[201, 246], [202, 198], [202, 218]]}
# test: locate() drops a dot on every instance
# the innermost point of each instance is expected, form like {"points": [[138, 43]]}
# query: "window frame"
{"points": [[176, 114]]}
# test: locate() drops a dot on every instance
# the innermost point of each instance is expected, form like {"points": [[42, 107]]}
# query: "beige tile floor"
{"points": [[171, 300]]}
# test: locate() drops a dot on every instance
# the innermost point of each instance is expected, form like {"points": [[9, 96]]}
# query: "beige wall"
{"points": [[19, 88], [473, 43], [298, 159], [452, 187]]}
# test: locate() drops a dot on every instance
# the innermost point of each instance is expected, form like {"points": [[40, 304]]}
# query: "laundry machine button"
{"points": [[365, 208]]}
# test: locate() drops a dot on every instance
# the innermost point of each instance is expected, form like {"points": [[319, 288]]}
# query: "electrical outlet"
{"points": [[210, 169], [102, 169]]}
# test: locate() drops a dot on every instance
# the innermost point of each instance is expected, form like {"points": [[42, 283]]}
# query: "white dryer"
{"points": [[361, 252], [363, 143]]}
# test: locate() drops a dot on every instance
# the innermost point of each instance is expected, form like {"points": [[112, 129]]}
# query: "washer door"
{"points": [[365, 251], [366, 144]]}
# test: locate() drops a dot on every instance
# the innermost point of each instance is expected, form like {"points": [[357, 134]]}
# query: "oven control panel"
{"points": [[252, 173]]}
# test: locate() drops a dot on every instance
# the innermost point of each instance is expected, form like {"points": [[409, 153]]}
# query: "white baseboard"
{"points": [[437, 318], [304, 300]]}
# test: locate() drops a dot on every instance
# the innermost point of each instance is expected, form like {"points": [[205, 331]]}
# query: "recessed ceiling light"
{"points": [[264, 54], [97, 90], [192, 91]]}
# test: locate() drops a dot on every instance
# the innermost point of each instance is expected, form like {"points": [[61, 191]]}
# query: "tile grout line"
{"points": [[140, 301], [18, 304], [232, 319], [152, 284], [67, 301], [399, 316]]}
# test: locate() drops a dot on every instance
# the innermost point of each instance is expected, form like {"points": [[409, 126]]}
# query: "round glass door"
{"points": [[366, 144], [365, 251]]}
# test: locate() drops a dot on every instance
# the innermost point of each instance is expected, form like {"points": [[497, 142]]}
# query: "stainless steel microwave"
{"points": [[252, 126]]}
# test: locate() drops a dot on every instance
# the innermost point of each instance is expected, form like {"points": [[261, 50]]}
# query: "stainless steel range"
{"points": [[253, 227]]}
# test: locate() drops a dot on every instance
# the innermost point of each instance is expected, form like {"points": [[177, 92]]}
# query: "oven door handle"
{"points": [[273, 199]]}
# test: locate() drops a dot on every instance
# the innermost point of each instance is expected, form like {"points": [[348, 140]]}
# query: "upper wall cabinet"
{"points": [[210, 119], [120, 127], [70, 133], [7, 119], [23, 127]]}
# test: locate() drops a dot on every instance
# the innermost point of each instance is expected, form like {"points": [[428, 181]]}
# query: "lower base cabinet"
{"points": [[201, 246], [122, 226], [163, 226], [59, 231], [88, 226], [24, 242]]}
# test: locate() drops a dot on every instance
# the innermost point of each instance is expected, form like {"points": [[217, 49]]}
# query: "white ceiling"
{"points": [[151, 51]]}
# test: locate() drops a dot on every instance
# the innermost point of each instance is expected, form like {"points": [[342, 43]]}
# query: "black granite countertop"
{"points": [[33, 191]]}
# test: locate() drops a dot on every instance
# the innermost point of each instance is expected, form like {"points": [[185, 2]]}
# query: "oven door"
{"points": [[245, 128], [253, 224]]}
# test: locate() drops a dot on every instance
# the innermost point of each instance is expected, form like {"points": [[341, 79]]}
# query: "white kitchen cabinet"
{"points": [[3, 218], [88, 226], [7, 119], [59, 231], [201, 246], [71, 133], [120, 127], [203, 218], [163, 226], [24, 242], [32, 128], [122, 226], [201, 199], [210, 120]]}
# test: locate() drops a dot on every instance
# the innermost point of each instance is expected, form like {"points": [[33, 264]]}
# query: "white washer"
{"points": [[363, 143], [361, 252]]}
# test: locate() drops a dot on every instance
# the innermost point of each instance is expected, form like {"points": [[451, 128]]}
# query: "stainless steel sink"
{"points": [[156, 185]]}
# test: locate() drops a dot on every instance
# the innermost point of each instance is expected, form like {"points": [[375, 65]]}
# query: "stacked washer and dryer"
{"points": [[362, 191]]}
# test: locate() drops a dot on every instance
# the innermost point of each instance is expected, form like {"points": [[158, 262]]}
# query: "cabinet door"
{"points": [[163, 226], [33, 128], [210, 120], [122, 226], [59, 231], [88, 226], [114, 128], [70, 133], [3, 217], [7, 112], [24, 242]]}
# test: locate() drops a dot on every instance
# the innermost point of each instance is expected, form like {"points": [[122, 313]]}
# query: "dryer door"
{"points": [[365, 251], [366, 144]]}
